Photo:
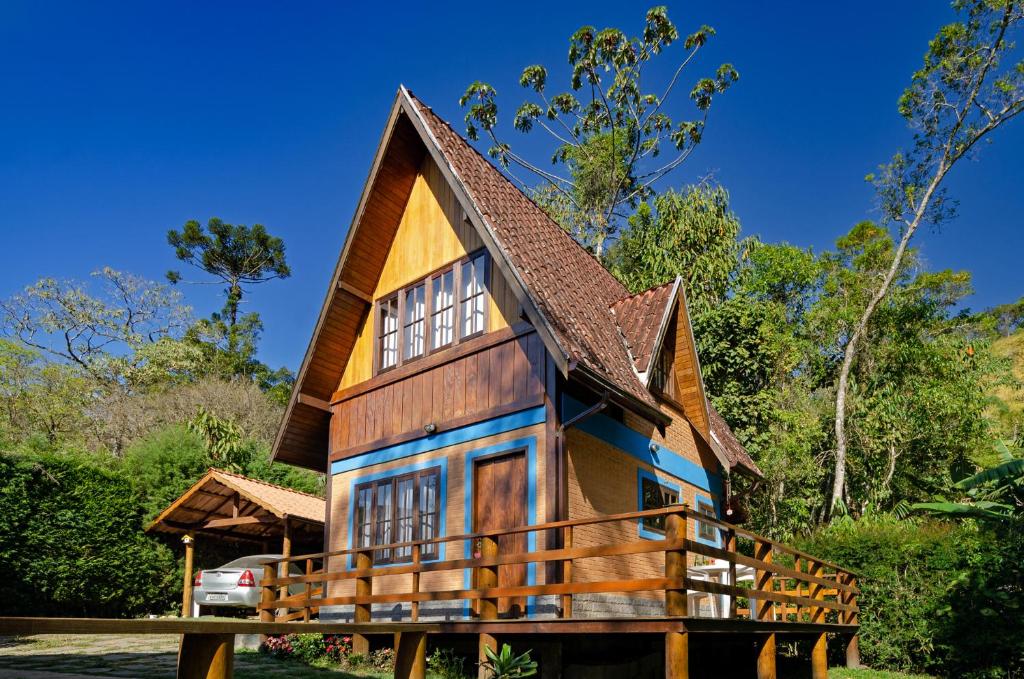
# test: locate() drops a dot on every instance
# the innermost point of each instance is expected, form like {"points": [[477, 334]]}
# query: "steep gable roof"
{"points": [[642, 318]]}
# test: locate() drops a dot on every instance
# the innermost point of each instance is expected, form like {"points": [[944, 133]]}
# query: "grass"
{"points": [[842, 673]]}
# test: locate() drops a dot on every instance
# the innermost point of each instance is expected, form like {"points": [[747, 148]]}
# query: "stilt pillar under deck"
{"points": [[766, 657], [206, 656]]}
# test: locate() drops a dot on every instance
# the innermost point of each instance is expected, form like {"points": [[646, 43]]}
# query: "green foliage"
{"points": [[609, 128], [444, 664], [935, 597], [993, 494], [692, 234], [165, 464], [71, 541], [506, 665]]}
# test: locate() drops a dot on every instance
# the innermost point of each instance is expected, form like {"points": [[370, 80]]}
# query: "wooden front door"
{"points": [[499, 501]]}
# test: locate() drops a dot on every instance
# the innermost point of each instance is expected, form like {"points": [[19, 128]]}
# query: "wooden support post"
{"points": [[487, 578], [411, 655], [415, 605], [286, 551], [186, 594], [362, 613], [853, 653], [488, 641], [819, 657], [763, 582], [677, 655], [267, 595], [306, 605], [730, 546], [766, 657], [677, 644], [567, 572], [206, 656], [818, 592], [675, 565]]}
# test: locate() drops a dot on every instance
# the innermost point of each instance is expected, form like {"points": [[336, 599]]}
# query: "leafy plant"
{"points": [[446, 665], [993, 494], [506, 665]]}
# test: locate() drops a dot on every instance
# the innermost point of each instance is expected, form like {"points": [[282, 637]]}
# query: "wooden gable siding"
{"points": [[432, 233], [689, 385], [491, 375], [303, 438]]}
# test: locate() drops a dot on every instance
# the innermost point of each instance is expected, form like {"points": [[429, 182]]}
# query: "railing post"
{"points": [[730, 546], [677, 644], [487, 578], [763, 581], [362, 612], [306, 606], [851, 618], [414, 612], [567, 572], [762, 610], [267, 595], [818, 591]]}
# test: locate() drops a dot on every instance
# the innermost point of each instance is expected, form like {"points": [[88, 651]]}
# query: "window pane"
{"points": [[388, 326], [429, 511], [442, 318], [472, 295], [382, 534], [364, 506], [414, 324], [653, 498], [403, 516]]}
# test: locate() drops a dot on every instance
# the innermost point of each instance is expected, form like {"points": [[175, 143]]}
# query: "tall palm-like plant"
{"points": [[993, 494]]}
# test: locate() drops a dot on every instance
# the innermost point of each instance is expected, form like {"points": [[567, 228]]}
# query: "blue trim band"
{"points": [[642, 474], [425, 444], [643, 448], [530, 446], [419, 466]]}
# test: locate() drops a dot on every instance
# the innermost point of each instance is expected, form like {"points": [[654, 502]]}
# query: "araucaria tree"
{"points": [[968, 87], [614, 136], [238, 256]]}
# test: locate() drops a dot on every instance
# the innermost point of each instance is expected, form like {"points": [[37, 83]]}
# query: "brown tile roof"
{"points": [[640, 318], [730, 445], [571, 288], [208, 499]]}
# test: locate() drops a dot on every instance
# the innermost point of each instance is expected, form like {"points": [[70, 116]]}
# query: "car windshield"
{"points": [[253, 561]]}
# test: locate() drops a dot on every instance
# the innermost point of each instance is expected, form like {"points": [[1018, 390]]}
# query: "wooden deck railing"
{"points": [[788, 585]]}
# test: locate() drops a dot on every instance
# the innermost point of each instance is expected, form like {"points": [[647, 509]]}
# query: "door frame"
{"points": [[527, 444]]}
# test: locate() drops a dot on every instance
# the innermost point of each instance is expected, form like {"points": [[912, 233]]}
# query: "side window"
{"points": [[443, 318], [398, 509], [705, 530], [473, 295], [654, 495], [414, 326]]}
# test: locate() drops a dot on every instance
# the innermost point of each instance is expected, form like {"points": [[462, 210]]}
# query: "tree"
{"points": [[692, 234], [236, 255], [959, 97], [993, 494], [125, 334], [609, 129]]}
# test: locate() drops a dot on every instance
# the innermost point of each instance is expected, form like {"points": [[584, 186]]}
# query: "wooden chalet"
{"points": [[515, 445]]}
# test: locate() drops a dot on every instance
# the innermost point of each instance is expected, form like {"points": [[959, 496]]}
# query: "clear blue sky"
{"points": [[119, 121]]}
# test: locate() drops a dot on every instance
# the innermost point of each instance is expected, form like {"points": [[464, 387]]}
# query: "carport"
{"points": [[227, 506]]}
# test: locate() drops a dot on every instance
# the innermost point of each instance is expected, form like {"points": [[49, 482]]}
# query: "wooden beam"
{"points": [[237, 521], [314, 402], [186, 596], [354, 291]]}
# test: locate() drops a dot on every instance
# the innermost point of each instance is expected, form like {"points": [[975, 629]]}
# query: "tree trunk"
{"points": [[850, 352]]}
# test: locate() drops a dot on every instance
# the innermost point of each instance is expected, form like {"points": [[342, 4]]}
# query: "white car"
{"points": [[237, 583]]}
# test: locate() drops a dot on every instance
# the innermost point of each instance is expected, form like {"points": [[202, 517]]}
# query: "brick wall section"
{"points": [[455, 515], [604, 480]]}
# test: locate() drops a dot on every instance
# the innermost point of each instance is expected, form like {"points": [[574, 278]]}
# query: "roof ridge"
{"points": [[644, 292], [443, 121], [262, 482]]}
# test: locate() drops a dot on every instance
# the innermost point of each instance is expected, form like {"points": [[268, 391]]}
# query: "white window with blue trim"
{"points": [[654, 493]]}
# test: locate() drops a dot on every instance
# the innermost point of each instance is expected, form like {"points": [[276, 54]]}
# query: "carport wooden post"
{"points": [[186, 592]]}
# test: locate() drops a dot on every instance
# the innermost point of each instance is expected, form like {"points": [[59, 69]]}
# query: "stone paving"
{"points": [[146, 656]]}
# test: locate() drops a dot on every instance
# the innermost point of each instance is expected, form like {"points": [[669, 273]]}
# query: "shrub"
{"points": [[72, 541], [935, 597], [383, 659], [446, 665], [277, 647]]}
